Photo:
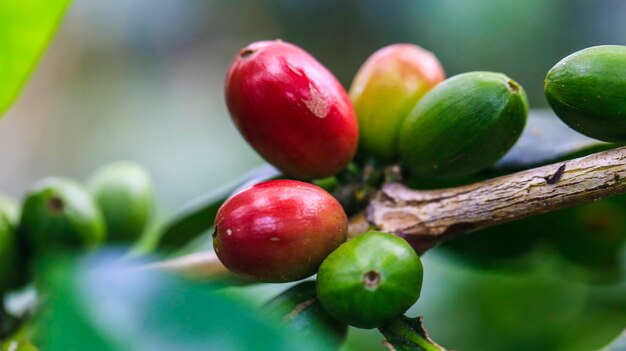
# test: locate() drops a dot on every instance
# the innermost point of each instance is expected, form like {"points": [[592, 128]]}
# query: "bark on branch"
{"points": [[426, 218]]}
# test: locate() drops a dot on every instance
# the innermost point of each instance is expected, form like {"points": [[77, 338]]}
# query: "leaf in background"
{"points": [[26, 27], [299, 310], [18, 345], [197, 216], [104, 303], [618, 344], [408, 334], [20, 340], [546, 139]]}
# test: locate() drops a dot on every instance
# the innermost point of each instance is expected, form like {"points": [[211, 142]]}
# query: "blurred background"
{"points": [[143, 80]]}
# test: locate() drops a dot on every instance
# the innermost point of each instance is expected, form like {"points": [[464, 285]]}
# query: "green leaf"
{"points": [[26, 27], [197, 217], [19, 339], [546, 139], [408, 334], [618, 344], [18, 345], [104, 303], [299, 310]]}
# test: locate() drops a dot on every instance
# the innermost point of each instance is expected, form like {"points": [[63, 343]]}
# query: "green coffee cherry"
{"points": [[370, 280], [299, 310], [58, 214], [587, 91], [124, 193], [463, 125]]}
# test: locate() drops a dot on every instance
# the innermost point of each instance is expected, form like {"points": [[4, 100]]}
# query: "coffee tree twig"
{"points": [[427, 217]]}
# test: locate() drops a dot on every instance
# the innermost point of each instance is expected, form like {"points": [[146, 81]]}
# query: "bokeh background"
{"points": [[143, 79]]}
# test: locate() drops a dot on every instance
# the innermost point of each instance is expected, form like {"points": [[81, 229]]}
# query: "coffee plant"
{"points": [[358, 185]]}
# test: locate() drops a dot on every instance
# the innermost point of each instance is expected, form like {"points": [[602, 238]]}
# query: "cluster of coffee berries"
{"points": [[400, 110], [59, 215], [299, 118]]}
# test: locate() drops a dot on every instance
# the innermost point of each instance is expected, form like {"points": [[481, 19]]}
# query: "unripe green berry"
{"points": [[59, 214], [124, 192], [463, 125], [370, 280]]}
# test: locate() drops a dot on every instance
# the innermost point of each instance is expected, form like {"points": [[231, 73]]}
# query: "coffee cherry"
{"points": [[463, 125], [299, 310], [124, 193], [278, 231], [586, 90], [291, 109], [385, 90], [59, 214], [370, 280]]}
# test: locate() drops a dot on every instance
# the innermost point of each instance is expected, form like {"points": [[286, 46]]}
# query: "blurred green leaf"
{"points": [[9, 324], [409, 334], [26, 27], [591, 237], [18, 345], [104, 303], [298, 309], [618, 344], [19, 340], [197, 217]]}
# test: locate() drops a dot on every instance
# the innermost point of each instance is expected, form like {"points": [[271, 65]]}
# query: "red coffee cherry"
{"points": [[278, 231], [291, 109]]}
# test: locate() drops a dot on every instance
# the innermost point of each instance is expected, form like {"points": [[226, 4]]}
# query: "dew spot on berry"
{"points": [[371, 279], [55, 204], [316, 103], [274, 238], [229, 232]]}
